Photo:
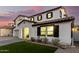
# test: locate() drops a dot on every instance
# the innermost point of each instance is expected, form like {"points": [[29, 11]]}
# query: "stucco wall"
{"points": [[19, 19], [64, 33], [26, 24]]}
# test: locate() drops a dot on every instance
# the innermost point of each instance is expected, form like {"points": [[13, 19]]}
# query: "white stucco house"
{"points": [[54, 23]]}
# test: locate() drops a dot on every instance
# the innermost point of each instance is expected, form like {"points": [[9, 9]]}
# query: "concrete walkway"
{"points": [[68, 50], [8, 40]]}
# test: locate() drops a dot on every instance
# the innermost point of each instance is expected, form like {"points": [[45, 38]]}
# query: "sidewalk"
{"points": [[68, 50], [8, 40]]}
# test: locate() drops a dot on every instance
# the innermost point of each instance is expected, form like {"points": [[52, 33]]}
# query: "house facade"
{"points": [[50, 24], [6, 31]]}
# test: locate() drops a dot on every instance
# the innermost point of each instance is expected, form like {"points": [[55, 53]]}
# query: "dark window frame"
{"points": [[42, 31], [48, 16], [50, 31], [38, 17], [46, 31], [55, 33], [31, 19]]}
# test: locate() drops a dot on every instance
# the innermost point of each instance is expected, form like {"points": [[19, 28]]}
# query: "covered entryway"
{"points": [[25, 33]]}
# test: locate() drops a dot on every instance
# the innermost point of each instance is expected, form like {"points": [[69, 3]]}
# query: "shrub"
{"points": [[45, 40], [39, 40], [55, 42], [32, 39]]}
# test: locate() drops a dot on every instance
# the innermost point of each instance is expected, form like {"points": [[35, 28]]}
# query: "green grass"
{"points": [[25, 47]]}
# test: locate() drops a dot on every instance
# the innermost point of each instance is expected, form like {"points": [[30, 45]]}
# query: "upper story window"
{"points": [[32, 18], [49, 15], [39, 17]]}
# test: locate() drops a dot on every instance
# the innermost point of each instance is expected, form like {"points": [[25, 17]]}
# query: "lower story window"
{"points": [[50, 30], [47, 30], [43, 31]]}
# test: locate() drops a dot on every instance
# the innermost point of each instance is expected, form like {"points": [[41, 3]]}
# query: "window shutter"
{"points": [[38, 31], [56, 31]]}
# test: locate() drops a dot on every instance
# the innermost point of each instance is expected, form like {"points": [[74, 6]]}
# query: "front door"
{"points": [[25, 33]]}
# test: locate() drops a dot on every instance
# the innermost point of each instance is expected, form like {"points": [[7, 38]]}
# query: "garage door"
{"points": [[5, 32]]}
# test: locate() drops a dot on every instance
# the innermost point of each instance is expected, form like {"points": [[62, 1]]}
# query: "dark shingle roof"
{"points": [[40, 13], [26, 21], [61, 20]]}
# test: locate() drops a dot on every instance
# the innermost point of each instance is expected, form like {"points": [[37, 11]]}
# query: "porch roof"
{"points": [[26, 21], [61, 20]]}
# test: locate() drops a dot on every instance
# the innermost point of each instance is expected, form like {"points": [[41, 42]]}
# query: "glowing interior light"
{"points": [[26, 32]]}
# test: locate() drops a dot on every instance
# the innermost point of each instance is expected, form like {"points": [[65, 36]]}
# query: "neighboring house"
{"points": [[52, 24], [76, 32], [6, 31]]}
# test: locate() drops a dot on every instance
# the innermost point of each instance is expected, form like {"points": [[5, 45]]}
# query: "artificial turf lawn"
{"points": [[25, 47]]}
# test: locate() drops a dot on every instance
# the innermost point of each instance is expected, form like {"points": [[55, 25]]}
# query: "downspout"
{"points": [[72, 34]]}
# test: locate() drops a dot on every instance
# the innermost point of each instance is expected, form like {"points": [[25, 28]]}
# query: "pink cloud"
{"points": [[36, 8], [5, 22]]}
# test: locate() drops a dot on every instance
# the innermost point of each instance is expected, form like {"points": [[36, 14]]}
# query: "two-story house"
{"points": [[54, 23]]}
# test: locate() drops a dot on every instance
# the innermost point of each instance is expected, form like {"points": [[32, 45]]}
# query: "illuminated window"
{"points": [[50, 30], [75, 29], [43, 31], [32, 18], [49, 15], [39, 17]]}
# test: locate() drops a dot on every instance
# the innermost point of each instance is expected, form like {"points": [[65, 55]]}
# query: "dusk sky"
{"points": [[9, 13]]}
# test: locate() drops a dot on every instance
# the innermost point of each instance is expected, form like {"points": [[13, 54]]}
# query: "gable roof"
{"points": [[48, 11], [39, 13], [26, 21], [61, 20], [19, 16]]}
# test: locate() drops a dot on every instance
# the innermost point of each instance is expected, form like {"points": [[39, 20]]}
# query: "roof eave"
{"points": [[60, 21]]}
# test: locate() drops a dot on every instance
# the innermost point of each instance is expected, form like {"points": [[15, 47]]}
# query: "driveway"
{"points": [[8, 40], [68, 50]]}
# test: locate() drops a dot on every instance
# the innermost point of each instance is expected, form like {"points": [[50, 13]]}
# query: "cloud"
{"points": [[5, 22], [36, 8], [25, 12]]}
